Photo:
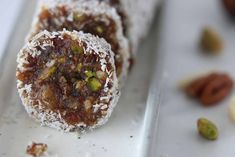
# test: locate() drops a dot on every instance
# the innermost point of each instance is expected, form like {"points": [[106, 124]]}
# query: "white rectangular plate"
{"points": [[124, 134]]}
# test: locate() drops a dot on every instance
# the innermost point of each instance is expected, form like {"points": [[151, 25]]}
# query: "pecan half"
{"points": [[229, 6], [210, 89]]}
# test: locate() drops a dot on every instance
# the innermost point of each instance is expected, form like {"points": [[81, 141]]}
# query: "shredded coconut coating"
{"points": [[139, 16], [53, 119], [94, 8]]}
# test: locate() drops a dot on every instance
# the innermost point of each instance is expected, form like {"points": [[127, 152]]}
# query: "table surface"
{"points": [[8, 15]]}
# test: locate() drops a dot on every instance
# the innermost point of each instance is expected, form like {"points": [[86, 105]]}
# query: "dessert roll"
{"points": [[90, 17], [137, 16], [67, 80]]}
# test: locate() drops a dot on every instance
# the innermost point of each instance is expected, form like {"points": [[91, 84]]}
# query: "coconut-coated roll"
{"points": [[67, 80], [137, 16]]}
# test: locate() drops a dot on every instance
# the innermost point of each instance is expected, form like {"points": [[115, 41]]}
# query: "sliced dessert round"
{"points": [[93, 17], [67, 80]]}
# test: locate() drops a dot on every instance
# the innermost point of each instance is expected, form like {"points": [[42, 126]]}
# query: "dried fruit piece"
{"points": [[210, 89], [207, 129], [48, 96], [46, 73], [36, 149], [211, 41], [80, 84], [94, 84], [101, 75], [229, 5]]}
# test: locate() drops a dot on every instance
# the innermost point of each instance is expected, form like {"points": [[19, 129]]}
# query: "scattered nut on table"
{"points": [[207, 129], [232, 108], [210, 41], [36, 149], [211, 88]]}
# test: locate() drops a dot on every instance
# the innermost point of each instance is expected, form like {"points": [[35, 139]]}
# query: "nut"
{"points": [[94, 84], [36, 149], [99, 29], [47, 72], [210, 89], [232, 108], [210, 41], [76, 49], [80, 84], [101, 75], [207, 129], [229, 6]]}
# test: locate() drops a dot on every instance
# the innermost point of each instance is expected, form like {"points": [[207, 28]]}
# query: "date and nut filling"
{"points": [[68, 80], [210, 89], [60, 17]]}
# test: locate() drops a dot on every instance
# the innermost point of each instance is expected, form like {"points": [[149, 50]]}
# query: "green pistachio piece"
{"points": [[79, 67], [99, 29], [61, 60], [78, 17], [211, 41], [207, 129], [76, 49], [89, 73], [94, 84], [47, 72]]}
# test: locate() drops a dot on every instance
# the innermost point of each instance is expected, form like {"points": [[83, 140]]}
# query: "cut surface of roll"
{"points": [[90, 17], [67, 80]]}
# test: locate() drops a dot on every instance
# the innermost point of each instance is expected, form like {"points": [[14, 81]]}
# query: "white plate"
{"points": [[123, 136]]}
